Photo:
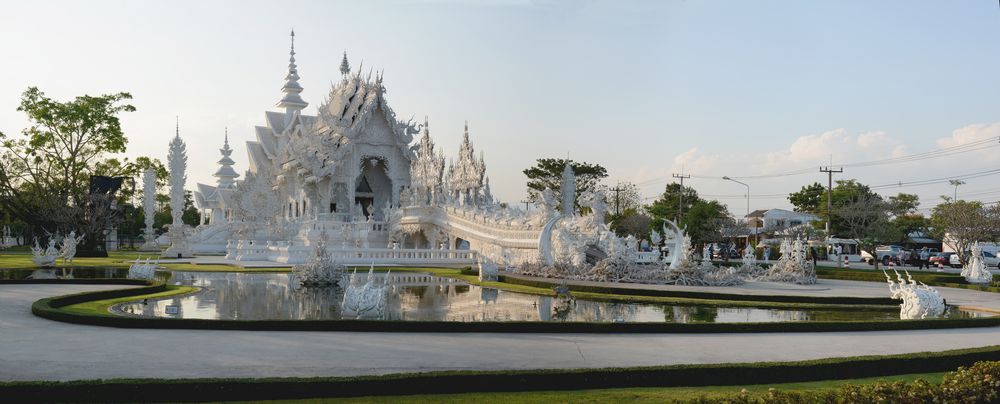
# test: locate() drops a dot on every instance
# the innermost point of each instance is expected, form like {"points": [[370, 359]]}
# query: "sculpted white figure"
{"points": [[919, 300], [44, 258], [142, 270], [791, 266], [975, 270], [68, 249]]}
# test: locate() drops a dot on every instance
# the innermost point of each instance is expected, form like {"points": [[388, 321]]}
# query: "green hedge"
{"points": [[75, 281], [614, 290], [134, 390]]}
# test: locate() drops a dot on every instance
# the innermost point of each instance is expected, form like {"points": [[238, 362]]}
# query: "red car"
{"points": [[944, 258]]}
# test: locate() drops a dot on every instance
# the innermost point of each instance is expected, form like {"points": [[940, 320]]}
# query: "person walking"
{"points": [[812, 250], [767, 253]]}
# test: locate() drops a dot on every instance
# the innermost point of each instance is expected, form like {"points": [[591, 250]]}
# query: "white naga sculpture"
{"points": [[975, 271], [365, 299], [44, 258], [919, 300], [149, 210], [142, 270], [321, 269], [68, 249], [177, 163]]}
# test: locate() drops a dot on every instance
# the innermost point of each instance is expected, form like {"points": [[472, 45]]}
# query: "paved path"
{"points": [[33, 348], [965, 298]]}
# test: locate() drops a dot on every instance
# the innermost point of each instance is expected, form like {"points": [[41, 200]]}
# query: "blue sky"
{"points": [[643, 88]]}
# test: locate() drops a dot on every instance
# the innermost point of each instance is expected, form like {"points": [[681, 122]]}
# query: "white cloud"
{"points": [[970, 134], [837, 144]]}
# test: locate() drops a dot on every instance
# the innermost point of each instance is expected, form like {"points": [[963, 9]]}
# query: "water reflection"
{"points": [[422, 297]]}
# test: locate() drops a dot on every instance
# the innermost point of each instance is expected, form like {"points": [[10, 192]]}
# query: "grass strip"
{"points": [[454, 382]]}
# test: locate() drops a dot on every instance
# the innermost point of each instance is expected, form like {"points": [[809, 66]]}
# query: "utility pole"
{"points": [[829, 194], [680, 199], [525, 202], [618, 206]]}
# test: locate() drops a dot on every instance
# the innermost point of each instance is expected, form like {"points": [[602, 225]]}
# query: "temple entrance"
{"points": [[373, 188], [461, 244]]}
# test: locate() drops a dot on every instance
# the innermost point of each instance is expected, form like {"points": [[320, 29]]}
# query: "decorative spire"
{"points": [[226, 175], [345, 67], [466, 131], [292, 101]]}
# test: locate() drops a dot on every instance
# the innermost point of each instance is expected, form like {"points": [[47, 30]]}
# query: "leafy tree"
{"points": [[634, 222], [904, 204], [547, 173], [44, 175], [959, 224], [624, 197], [866, 219], [704, 222], [809, 198], [666, 206], [844, 193]]}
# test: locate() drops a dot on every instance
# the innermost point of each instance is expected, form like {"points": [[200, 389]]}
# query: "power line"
{"points": [[976, 145]]}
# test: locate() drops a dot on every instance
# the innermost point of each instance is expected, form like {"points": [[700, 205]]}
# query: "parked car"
{"points": [[989, 258], [884, 254], [944, 258]]}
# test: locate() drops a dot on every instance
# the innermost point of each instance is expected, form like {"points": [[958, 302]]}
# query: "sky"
{"points": [[646, 89]]}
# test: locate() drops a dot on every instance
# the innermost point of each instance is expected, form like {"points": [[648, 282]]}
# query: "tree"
{"points": [[632, 222], [625, 196], [904, 204], [547, 173], [866, 219], [666, 206], [44, 175], [808, 199], [704, 222], [959, 224], [846, 192]]}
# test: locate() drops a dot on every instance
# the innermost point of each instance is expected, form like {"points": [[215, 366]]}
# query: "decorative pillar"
{"points": [[149, 210]]}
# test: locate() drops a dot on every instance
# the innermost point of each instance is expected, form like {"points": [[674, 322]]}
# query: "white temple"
{"points": [[351, 179], [352, 170]]}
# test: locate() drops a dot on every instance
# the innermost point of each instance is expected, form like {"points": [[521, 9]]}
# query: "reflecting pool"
{"points": [[423, 297]]}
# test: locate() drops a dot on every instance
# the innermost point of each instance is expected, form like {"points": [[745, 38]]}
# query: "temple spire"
{"points": [[345, 67], [292, 101], [226, 175]]}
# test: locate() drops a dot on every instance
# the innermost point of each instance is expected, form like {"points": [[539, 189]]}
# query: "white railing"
{"points": [[646, 257], [284, 252]]}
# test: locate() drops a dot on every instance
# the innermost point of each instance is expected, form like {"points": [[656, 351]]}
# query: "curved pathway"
{"points": [[33, 348]]}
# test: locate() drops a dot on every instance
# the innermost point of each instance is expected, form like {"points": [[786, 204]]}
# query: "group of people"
{"points": [[919, 258]]}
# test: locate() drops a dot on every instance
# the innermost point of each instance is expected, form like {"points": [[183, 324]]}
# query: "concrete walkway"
{"points": [[33, 348], [964, 298]]}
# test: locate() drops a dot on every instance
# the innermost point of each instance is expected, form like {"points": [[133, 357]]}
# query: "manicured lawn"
{"points": [[629, 395]]}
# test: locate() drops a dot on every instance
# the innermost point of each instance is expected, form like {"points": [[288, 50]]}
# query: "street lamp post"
{"points": [[748, 197]]}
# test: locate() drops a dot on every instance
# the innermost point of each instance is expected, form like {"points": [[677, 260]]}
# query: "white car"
{"points": [[989, 258]]}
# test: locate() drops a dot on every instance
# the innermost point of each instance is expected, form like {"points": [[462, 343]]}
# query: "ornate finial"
{"points": [[427, 126], [226, 143], [466, 130], [291, 100], [345, 67], [177, 125]]}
